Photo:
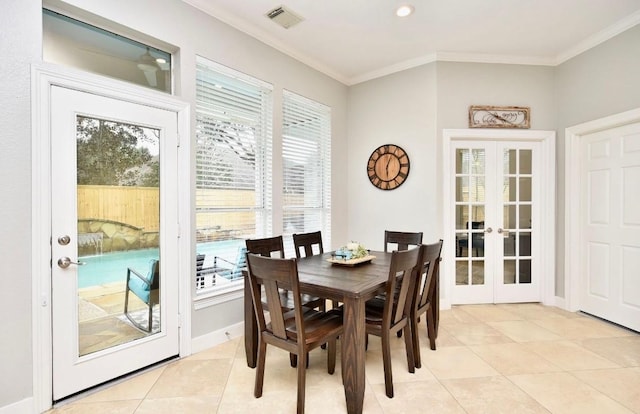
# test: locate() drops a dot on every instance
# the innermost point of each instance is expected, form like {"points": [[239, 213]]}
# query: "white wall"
{"points": [[602, 81], [396, 109], [20, 44]]}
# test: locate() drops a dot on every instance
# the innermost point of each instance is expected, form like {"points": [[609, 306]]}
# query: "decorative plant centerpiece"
{"points": [[352, 250]]}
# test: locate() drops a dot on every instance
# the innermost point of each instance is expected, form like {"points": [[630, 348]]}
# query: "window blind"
{"points": [[233, 165], [306, 153]]}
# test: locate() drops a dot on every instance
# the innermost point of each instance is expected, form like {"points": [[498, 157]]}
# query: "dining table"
{"points": [[352, 285]]}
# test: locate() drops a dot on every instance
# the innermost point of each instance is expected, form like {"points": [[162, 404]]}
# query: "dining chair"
{"points": [[306, 242], [425, 291], [267, 247], [401, 239], [298, 330], [385, 317]]}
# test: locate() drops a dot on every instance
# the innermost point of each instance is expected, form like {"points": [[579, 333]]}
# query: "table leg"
{"points": [[250, 327], [353, 354]]}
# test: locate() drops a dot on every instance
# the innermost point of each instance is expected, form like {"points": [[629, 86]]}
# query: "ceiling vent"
{"points": [[284, 17]]}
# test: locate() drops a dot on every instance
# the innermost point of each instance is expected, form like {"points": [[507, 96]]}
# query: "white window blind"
{"points": [[233, 166], [306, 153]]}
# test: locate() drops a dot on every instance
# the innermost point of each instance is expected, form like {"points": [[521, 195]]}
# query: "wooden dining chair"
{"points": [[266, 247], [385, 318], [401, 239], [425, 291], [274, 247], [306, 242], [297, 331]]}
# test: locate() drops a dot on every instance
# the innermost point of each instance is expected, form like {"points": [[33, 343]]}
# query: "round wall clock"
{"points": [[388, 167]]}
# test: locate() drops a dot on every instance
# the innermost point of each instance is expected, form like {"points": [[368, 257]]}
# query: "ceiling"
{"points": [[356, 40]]}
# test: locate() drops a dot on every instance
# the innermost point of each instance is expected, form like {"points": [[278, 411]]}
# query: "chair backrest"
{"points": [[241, 263], [274, 274], [154, 274], [428, 266], [402, 239], [400, 285], [266, 246], [306, 241]]}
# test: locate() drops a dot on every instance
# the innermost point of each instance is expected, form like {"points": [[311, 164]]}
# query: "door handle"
{"points": [[488, 230], [64, 262], [500, 231]]}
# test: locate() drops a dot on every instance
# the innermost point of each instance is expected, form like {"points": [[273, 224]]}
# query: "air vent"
{"points": [[284, 17]]}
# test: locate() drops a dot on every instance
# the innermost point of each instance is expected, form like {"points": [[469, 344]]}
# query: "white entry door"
{"points": [[114, 214], [610, 208], [495, 221]]}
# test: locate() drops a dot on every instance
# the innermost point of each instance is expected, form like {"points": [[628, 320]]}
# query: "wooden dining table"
{"points": [[351, 285]]}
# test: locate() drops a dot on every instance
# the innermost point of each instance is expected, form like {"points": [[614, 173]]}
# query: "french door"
{"points": [[494, 226], [113, 213]]}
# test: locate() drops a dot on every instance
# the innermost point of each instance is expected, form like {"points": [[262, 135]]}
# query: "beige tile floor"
{"points": [[524, 358]]}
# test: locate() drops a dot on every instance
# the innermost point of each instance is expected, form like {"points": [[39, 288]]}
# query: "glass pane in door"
{"points": [[118, 192], [470, 216], [517, 202]]}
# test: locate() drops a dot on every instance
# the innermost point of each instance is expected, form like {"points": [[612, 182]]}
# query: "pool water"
{"points": [[112, 267]]}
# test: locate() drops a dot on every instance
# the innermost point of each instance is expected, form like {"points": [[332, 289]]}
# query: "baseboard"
{"points": [[20, 407], [216, 337]]}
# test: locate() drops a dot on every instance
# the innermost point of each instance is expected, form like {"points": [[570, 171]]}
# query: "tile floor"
{"points": [[524, 358]]}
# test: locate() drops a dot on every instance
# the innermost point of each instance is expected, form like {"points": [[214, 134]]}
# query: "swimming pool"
{"points": [[112, 267]]}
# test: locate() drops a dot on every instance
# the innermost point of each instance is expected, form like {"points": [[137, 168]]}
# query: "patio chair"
{"points": [[231, 270], [146, 288], [202, 272]]}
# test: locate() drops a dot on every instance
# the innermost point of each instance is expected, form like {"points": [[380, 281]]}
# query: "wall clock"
{"points": [[388, 167], [498, 117]]}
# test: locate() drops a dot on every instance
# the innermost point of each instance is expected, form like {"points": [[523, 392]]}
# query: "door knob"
{"points": [[488, 230], [64, 262], [500, 231]]}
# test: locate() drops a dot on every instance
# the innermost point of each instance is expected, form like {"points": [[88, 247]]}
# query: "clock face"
{"points": [[388, 167]]}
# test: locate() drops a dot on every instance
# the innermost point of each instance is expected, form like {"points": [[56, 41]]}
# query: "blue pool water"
{"points": [[112, 267]]}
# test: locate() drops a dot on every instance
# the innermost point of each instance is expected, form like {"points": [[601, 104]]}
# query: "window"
{"points": [[306, 153], [70, 42], [233, 169]]}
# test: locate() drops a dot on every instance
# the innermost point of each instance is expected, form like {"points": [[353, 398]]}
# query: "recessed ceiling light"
{"points": [[404, 10]]}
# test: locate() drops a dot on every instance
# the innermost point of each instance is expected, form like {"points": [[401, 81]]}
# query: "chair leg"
{"points": [[408, 344], [262, 351], [302, 375], [416, 340], [150, 325], [386, 362], [431, 329], [331, 357]]}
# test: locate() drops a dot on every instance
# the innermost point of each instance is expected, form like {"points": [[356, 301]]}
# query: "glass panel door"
{"points": [[113, 183], [473, 196], [518, 232], [495, 219], [118, 243]]}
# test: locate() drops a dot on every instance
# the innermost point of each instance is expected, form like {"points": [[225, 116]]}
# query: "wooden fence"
{"points": [[135, 206], [140, 207]]}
